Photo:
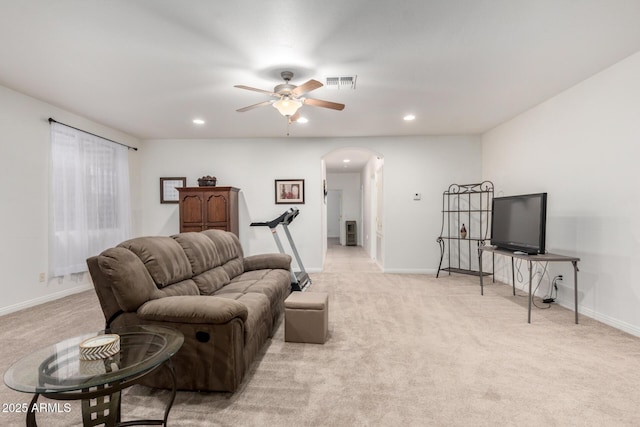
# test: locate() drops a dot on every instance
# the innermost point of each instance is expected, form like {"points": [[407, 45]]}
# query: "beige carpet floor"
{"points": [[404, 350]]}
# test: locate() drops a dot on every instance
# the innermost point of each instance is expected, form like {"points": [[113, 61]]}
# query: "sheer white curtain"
{"points": [[90, 196]]}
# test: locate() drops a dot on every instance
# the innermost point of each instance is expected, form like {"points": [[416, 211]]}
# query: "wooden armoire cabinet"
{"points": [[203, 208]]}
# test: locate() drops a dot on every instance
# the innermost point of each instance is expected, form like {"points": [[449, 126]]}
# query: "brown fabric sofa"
{"points": [[226, 305]]}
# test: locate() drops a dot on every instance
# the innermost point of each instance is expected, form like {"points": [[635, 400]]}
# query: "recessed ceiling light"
{"points": [[198, 121], [409, 117], [302, 120], [346, 160]]}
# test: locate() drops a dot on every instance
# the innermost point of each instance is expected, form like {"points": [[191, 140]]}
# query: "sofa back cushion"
{"points": [[200, 251], [163, 258], [130, 281], [211, 280], [229, 249]]}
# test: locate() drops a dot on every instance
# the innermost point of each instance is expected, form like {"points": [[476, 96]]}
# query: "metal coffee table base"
{"points": [[107, 402]]}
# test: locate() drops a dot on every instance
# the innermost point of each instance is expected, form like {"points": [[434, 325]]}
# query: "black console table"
{"points": [[530, 260]]}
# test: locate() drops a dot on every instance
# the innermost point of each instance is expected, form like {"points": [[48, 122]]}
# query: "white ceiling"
{"points": [[347, 160], [148, 67]]}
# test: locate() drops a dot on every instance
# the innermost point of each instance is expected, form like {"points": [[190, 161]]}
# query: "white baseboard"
{"points": [[607, 320], [410, 270], [46, 298], [584, 311]]}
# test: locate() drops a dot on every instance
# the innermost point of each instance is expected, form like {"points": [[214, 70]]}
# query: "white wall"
{"points": [[368, 206], [24, 210], [412, 164], [323, 210], [349, 184], [411, 227], [582, 148], [334, 213], [251, 165], [373, 218]]}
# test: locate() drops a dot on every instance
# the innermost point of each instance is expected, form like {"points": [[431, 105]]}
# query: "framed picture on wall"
{"points": [[168, 192], [289, 191]]}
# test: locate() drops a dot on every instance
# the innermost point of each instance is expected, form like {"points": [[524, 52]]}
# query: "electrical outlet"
{"points": [[42, 277]]}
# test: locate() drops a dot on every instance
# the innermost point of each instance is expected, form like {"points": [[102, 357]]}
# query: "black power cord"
{"points": [[520, 278], [554, 287], [546, 300]]}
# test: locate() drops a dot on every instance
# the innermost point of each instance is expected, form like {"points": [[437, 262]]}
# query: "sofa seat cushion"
{"points": [[258, 309], [163, 257], [275, 284]]}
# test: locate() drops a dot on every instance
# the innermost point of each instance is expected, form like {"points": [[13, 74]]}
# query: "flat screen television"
{"points": [[518, 223]]}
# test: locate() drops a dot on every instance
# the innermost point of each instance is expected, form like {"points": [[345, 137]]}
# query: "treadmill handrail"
{"points": [[286, 218]]}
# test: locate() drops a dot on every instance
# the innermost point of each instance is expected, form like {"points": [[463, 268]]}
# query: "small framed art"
{"points": [[289, 191], [168, 192]]}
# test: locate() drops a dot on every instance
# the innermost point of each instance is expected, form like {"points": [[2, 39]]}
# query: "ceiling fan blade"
{"points": [[294, 118], [256, 90], [251, 107], [306, 87], [324, 104]]}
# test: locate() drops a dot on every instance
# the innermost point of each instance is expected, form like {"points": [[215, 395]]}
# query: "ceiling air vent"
{"points": [[341, 82]]}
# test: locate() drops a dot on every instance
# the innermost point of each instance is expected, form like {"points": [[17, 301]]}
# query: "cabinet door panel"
{"points": [[203, 208], [216, 208], [191, 209]]}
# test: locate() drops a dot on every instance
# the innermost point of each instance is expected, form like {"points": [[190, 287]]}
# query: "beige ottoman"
{"points": [[306, 317]]}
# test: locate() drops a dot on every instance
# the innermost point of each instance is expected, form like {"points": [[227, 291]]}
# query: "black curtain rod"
{"points": [[107, 139]]}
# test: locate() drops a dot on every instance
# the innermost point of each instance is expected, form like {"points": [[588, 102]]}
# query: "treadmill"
{"points": [[299, 280]]}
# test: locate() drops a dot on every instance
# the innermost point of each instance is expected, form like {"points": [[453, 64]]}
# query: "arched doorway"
{"points": [[353, 183]]}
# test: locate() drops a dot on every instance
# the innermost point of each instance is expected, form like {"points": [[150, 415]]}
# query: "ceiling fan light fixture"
{"points": [[287, 106], [290, 97]]}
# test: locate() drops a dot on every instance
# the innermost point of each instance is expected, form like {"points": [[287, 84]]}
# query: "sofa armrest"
{"points": [[193, 309], [267, 261]]}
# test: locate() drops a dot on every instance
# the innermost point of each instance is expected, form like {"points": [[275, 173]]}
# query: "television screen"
{"points": [[518, 223]]}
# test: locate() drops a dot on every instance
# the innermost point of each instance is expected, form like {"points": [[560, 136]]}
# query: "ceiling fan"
{"points": [[290, 97]]}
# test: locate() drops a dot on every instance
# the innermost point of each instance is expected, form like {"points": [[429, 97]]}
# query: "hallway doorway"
{"points": [[354, 194]]}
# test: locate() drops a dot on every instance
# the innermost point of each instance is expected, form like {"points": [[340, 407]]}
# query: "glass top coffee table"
{"points": [[58, 372]]}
